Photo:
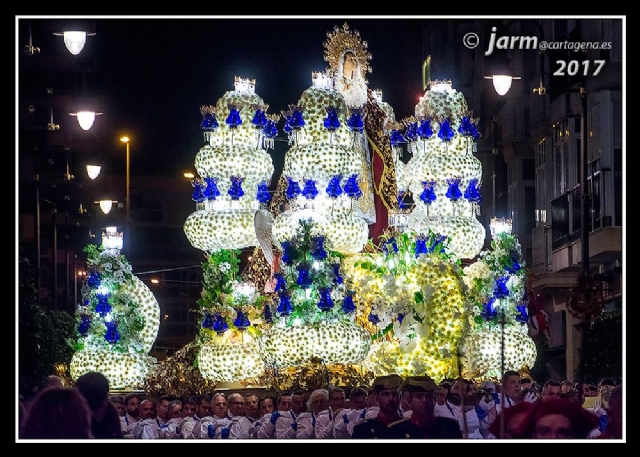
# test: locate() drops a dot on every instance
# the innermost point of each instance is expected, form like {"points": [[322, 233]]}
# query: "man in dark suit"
{"points": [[422, 423]]}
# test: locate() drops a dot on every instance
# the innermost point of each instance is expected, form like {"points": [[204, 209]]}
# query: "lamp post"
{"points": [[126, 140]]}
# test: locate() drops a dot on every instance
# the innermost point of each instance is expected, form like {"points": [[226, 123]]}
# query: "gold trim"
{"points": [[341, 40]]}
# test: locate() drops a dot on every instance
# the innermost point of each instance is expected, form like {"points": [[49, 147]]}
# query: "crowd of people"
{"points": [[392, 408]]}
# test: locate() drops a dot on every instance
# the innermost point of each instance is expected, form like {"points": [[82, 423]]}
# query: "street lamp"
{"points": [[86, 118], [126, 140], [93, 171], [74, 40]]}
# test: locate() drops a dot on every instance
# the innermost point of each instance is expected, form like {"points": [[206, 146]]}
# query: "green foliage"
{"points": [[115, 273], [42, 334], [219, 273], [302, 254]]}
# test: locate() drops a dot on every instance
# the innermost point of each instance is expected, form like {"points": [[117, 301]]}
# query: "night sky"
{"points": [[154, 74]]}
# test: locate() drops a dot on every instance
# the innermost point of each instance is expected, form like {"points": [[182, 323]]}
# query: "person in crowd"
{"points": [[118, 402], [613, 429], [238, 427], [525, 383], [463, 401], [488, 399], [191, 427], [215, 426], [566, 386], [354, 413], [605, 386], [325, 419], [54, 381], [268, 428], [423, 423], [507, 424], [551, 389], [105, 420], [267, 405], [162, 409], [132, 416], [385, 424], [146, 428], [441, 395], [189, 406], [172, 430], [287, 424], [318, 402], [557, 419], [57, 413], [247, 425], [598, 405]]}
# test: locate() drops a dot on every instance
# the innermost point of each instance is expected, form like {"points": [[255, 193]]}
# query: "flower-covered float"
{"points": [[322, 169], [234, 170], [231, 320], [314, 313], [117, 320], [442, 175], [411, 297], [498, 335]]}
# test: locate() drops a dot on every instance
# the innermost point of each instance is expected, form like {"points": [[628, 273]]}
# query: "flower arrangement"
{"points": [[497, 283], [228, 306], [117, 321], [107, 316], [498, 311], [315, 312], [412, 298]]}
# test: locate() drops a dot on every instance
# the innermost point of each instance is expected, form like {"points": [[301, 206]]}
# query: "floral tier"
{"points": [[234, 170]]}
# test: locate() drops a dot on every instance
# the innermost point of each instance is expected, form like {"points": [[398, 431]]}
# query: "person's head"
{"points": [[189, 405], [513, 418], [267, 405], [298, 404], [387, 393], [219, 405], [525, 383], [284, 402], [551, 389], [589, 390], [442, 393], [175, 409], [511, 384], [337, 398], [57, 413], [251, 406], [421, 391], [132, 402], [605, 386], [318, 401], [459, 391], [614, 412], [358, 398], [95, 388], [566, 386], [147, 409], [203, 406], [118, 402], [236, 404], [558, 419], [54, 381], [349, 65], [162, 407]]}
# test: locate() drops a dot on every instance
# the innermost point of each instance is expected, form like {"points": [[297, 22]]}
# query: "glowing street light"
{"points": [[126, 140]]}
